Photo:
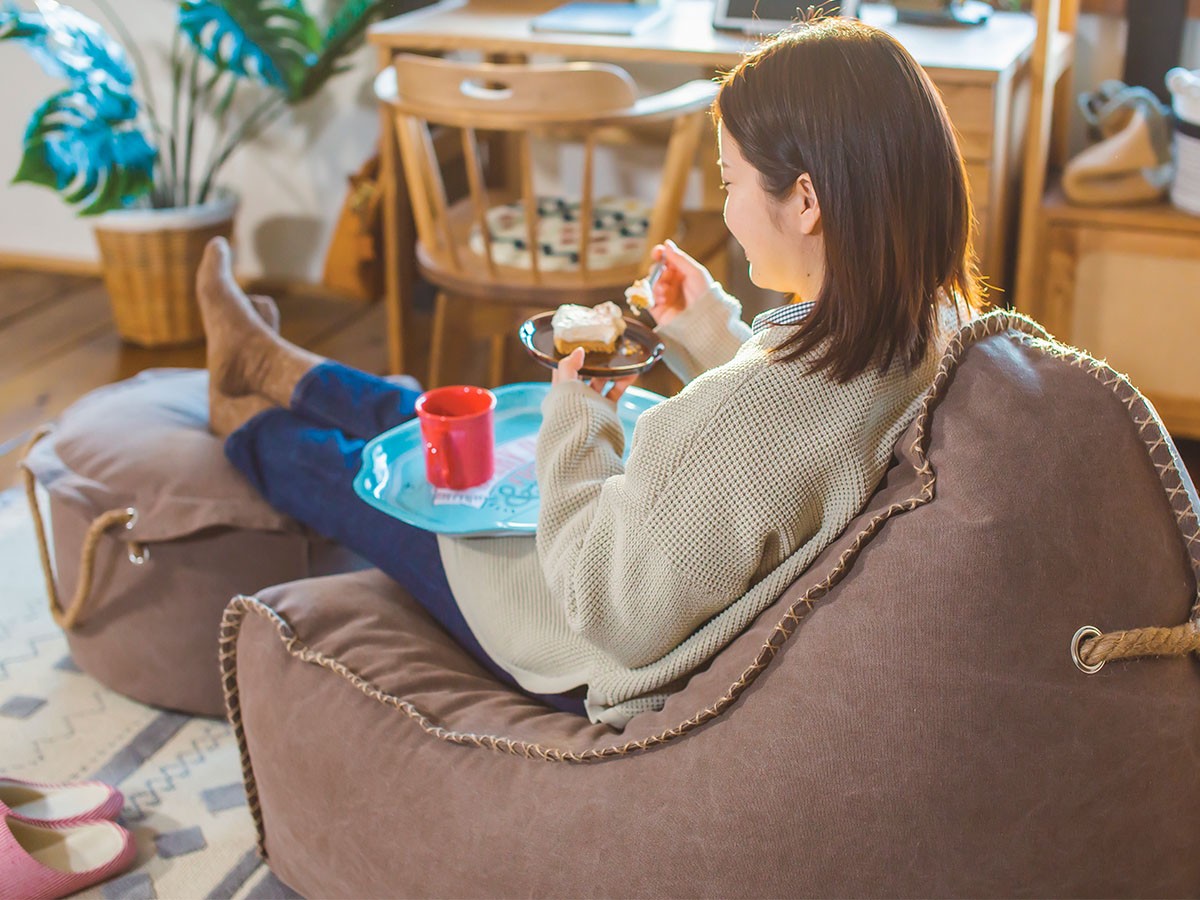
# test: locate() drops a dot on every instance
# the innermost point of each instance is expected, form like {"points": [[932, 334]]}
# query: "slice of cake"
{"points": [[595, 329], [639, 295]]}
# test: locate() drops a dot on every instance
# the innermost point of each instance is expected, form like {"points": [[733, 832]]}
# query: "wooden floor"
{"points": [[57, 343]]}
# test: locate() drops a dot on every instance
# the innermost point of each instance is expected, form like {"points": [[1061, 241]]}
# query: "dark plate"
{"points": [[637, 350]]}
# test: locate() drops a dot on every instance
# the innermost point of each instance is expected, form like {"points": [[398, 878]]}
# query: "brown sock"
{"points": [[227, 414], [245, 356]]}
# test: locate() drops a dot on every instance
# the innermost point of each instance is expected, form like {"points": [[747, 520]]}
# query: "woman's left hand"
{"points": [[568, 370]]}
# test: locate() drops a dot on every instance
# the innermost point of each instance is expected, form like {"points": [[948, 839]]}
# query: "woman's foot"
{"points": [[239, 341], [247, 360], [227, 414], [267, 310]]}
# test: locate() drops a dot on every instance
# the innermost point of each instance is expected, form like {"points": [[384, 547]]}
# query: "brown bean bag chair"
{"points": [[907, 720], [152, 532]]}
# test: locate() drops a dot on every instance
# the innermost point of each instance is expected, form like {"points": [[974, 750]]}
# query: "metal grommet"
{"points": [[1087, 631], [139, 554], [132, 513]]}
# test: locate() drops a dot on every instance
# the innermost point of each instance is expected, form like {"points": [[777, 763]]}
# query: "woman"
{"points": [[846, 189]]}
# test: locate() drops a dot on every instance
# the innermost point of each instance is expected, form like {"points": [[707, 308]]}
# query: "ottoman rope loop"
{"points": [[1095, 648], [69, 617]]}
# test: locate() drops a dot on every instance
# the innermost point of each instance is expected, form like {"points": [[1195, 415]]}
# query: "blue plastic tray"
{"points": [[392, 476]]}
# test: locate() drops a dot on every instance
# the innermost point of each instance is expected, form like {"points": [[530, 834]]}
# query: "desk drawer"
{"points": [[972, 111], [979, 181]]}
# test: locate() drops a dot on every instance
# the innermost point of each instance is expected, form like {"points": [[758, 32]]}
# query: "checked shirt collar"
{"points": [[791, 314]]}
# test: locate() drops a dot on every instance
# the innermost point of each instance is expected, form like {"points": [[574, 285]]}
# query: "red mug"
{"points": [[456, 425]]}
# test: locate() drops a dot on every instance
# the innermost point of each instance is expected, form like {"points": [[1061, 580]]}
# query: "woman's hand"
{"points": [[682, 281], [568, 370]]}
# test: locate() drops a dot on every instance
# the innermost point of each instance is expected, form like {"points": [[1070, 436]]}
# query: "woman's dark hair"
{"points": [[847, 104]]}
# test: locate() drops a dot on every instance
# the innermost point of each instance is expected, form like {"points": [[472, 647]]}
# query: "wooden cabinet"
{"points": [[1124, 284]]}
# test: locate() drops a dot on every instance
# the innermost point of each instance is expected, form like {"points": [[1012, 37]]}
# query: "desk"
{"points": [[981, 73]]}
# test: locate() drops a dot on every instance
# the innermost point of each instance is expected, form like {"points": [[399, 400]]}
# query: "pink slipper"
{"points": [[42, 863], [56, 805]]}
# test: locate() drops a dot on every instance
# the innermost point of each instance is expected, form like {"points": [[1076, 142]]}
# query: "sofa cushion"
{"points": [[144, 443]]}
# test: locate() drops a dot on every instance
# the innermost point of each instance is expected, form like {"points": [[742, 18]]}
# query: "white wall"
{"points": [[292, 181]]}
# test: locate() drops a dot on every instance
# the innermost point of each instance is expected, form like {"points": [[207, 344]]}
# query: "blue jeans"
{"points": [[303, 461]]}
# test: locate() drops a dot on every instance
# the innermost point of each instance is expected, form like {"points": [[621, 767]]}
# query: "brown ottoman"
{"points": [[153, 532], [907, 720]]}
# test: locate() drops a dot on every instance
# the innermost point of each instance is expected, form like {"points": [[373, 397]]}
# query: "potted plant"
{"points": [[110, 151]]}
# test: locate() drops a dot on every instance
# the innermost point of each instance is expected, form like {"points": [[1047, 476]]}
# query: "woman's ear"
{"points": [[806, 206]]}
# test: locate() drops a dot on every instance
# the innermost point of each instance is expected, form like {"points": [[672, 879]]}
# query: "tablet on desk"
{"points": [[600, 18], [770, 16]]}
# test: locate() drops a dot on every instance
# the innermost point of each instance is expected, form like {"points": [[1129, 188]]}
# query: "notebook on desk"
{"points": [[600, 18]]}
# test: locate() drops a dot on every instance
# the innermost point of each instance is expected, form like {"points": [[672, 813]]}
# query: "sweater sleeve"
{"points": [[705, 335], [630, 555]]}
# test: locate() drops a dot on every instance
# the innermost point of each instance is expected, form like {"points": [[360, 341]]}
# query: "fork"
{"points": [[643, 315]]}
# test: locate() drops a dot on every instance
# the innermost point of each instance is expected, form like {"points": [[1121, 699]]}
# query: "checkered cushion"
{"points": [[618, 236]]}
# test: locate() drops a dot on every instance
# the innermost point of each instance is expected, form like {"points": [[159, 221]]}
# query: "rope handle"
{"points": [[138, 553], [1091, 648]]}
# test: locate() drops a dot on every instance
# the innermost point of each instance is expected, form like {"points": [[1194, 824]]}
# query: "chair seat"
{"points": [[516, 283]]}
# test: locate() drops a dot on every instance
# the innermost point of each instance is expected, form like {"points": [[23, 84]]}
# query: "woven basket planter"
{"points": [[149, 258]]}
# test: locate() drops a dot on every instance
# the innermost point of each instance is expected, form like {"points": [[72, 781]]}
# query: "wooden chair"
{"points": [[590, 104]]}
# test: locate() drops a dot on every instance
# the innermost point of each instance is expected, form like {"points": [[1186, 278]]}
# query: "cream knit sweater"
{"points": [[641, 572]]}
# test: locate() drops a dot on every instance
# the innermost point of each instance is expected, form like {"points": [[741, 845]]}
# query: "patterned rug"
{"points": [[180, 775]]}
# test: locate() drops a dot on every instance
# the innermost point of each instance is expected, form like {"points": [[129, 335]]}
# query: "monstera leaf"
{"points": [[86, 141], [274, 41], [341, 38], [86, 145], [18, 26], [76, 48]]}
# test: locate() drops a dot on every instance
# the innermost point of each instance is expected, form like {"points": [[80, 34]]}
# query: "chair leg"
{"points": [[438, 339]]}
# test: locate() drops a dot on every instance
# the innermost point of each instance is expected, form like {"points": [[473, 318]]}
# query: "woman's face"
{"points": [[775, 235]]}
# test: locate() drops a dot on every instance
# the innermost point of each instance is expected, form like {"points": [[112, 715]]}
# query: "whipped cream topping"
{"points": [[576, 324]]}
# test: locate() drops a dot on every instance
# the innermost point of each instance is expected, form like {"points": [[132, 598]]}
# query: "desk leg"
{"points": [[399, 238], [1060, 252]]}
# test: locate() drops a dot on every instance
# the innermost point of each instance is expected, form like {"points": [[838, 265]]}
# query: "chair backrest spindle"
{"points": [[681, 151], [414, 163], [531, 205], [479, 193], [437, 192], [586, 207]]}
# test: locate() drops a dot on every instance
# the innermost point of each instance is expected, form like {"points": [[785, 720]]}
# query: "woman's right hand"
{"points": [[682, 282]]}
